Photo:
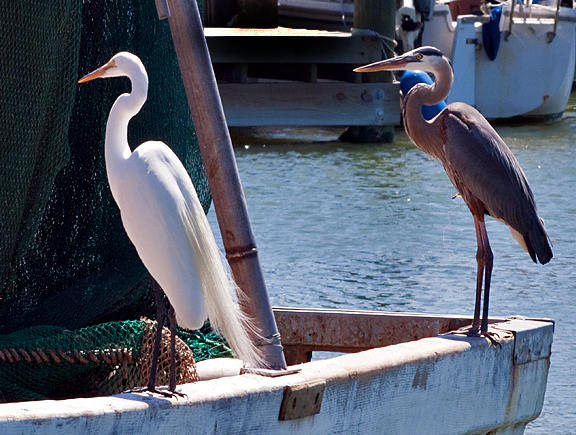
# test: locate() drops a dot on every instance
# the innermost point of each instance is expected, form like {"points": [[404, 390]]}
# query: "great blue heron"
{"points": [[165, 221], [477, 161]]}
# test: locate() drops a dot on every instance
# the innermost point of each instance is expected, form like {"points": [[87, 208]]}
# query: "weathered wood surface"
{"points": [[307, 330], [360, 330], [444, 385], [281, 45], [322, 103]]}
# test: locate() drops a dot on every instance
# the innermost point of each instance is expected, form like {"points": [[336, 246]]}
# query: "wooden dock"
{"points": [[299, 77]]}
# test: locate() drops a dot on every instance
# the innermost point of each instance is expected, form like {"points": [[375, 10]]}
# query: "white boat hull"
{"points": [[530, 77], [446, 384]]}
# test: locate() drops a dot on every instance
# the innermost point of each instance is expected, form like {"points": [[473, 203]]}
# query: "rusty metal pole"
{"points": [[162, 9], [222, 172]]}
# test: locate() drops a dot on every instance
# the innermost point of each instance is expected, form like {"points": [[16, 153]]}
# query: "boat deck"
{"points": [[448, 383]]}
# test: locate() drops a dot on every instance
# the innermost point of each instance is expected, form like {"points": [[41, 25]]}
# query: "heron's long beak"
{"points": [[98, 72], [396, 63]]}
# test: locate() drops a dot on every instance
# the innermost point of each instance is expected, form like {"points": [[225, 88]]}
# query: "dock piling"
{"points": [[377, 16]]}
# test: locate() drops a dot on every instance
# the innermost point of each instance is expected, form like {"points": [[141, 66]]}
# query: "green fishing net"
{"points": [[65, 259]]}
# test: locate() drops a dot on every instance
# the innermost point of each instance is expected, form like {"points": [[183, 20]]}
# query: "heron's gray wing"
{"points": [[484, 166]]}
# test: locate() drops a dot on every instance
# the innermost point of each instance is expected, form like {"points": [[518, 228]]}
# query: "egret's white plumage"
{"points": [[164, 219]]}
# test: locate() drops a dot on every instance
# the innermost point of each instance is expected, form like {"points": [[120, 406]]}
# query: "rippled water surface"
{"points": [[374, 227]]}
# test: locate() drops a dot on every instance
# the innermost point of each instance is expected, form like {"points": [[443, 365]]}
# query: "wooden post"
{"points": [[379, 16], [222, 172]]}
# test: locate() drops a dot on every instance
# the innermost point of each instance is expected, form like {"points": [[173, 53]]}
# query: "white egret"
{"points": [[164, 220]]}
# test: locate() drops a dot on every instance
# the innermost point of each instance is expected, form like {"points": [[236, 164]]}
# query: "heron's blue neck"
{"points": [[116, 148]]}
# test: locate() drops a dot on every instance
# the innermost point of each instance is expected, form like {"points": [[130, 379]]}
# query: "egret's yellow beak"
{"points": [[98, 73]]}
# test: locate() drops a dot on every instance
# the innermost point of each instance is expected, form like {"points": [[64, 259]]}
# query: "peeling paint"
{"points": [[420, 378]]}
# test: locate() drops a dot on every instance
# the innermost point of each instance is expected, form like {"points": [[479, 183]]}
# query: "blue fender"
{"points": [[411, 78]]}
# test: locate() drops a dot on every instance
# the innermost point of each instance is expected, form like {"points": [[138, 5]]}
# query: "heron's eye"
{"points": [[419, 56]]}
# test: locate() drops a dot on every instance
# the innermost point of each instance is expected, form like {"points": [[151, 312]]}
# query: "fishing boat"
{"points": [[400, 373], [508, 63], [386, 372]]}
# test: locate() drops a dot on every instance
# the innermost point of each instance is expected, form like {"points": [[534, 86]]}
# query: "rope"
{"points": [[185, 362], [40, 356], [273, 340], [385, 40], [551, 35], [509, 31]]}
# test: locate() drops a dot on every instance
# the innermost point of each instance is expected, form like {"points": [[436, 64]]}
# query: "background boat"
{"points": [[532, 73], [530, 76]]}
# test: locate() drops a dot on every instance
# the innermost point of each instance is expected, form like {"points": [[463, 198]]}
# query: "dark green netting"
{"points": [[53, 362], [65, 259]]}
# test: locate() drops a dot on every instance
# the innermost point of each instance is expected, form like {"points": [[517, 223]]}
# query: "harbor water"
{"points": [[375, 227]]}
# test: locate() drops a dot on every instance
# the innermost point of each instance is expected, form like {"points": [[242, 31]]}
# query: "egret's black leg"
{"points": [[172, 374], [172, 325], [162, 313], [160, 318]]}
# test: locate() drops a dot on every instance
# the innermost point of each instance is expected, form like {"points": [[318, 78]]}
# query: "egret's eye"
{"points": [[419, 56]]}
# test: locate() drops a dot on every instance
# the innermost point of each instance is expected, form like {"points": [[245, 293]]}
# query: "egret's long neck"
{"points": [[116, 148], [425, 134]]}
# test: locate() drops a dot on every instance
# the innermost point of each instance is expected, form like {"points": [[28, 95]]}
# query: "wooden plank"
{"points": [[350, 331], [302, 400], [313, 104], [291, 46], [299, 72], [285, 32]]}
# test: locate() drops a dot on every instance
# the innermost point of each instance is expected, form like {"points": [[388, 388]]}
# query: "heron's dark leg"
{"points": [[478, 224], [160, 318], [488, 262]]}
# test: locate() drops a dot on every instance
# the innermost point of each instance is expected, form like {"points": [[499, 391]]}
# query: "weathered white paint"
{"points": [[442, 385], [218, 368], [464, 63]]}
